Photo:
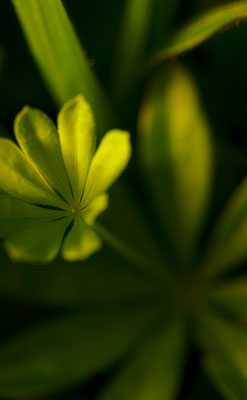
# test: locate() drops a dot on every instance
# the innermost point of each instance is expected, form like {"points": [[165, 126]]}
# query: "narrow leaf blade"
{"points": [[228, 244], [200, 29], [226, 354], [59, 56], [154, 370]]}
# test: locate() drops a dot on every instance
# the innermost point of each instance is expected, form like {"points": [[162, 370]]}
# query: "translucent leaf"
{"points": [[77, 137], [109, 161], [154, 371], [95, 208], [44, 359], [200, 29], [20, 179], [228, 245], [226, 355], [38, 244], [38, 138], [81, 241], [232, 295], [175, 154], [16, 215], [59, 56]]}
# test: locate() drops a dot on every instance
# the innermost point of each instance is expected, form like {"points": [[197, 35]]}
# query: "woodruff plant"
{"points": [[170, 285], [56, 182]]}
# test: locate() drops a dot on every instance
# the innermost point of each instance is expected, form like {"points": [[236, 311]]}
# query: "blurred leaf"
{"points": [[231, 294], [59, 56], [104, 279], [137, 238], [154, 371], [228, 245], [164, 12], [175, 152], [200, 29], [54, 356], [226, 355], [230, 382], [136, 21]]}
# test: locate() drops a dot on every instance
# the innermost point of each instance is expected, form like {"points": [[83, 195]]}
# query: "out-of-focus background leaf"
{"points": [[33, 298]]}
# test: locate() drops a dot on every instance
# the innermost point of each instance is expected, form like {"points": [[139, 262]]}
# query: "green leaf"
{"points": [[59, 56], [16, 215], [95, 208], [175, 153], [231, 295], [134, 29], [76, 130], [109, 161], [229, 381], [38, 138], [163, 15], [20, 179], [154, 370], [226, 355], [38, 244], [199, 30], [227, 247], [47, 358], [81, 241]]}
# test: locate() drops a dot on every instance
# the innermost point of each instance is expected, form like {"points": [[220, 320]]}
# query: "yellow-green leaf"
{"points": [[38, 138], [76, 129], [175, 153], [81, 241], [20, 178], [108, 163]]}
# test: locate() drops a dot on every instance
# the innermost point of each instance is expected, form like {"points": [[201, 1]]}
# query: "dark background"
{"points": [[220, 68]]}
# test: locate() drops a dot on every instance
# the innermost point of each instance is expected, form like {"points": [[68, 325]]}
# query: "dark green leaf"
{"points": [[228, 245], [200, 29], [53, 356], [154, 371]]}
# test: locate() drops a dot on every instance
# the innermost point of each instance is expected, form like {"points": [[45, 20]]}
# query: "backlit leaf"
{"points": [[175, 153]]}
